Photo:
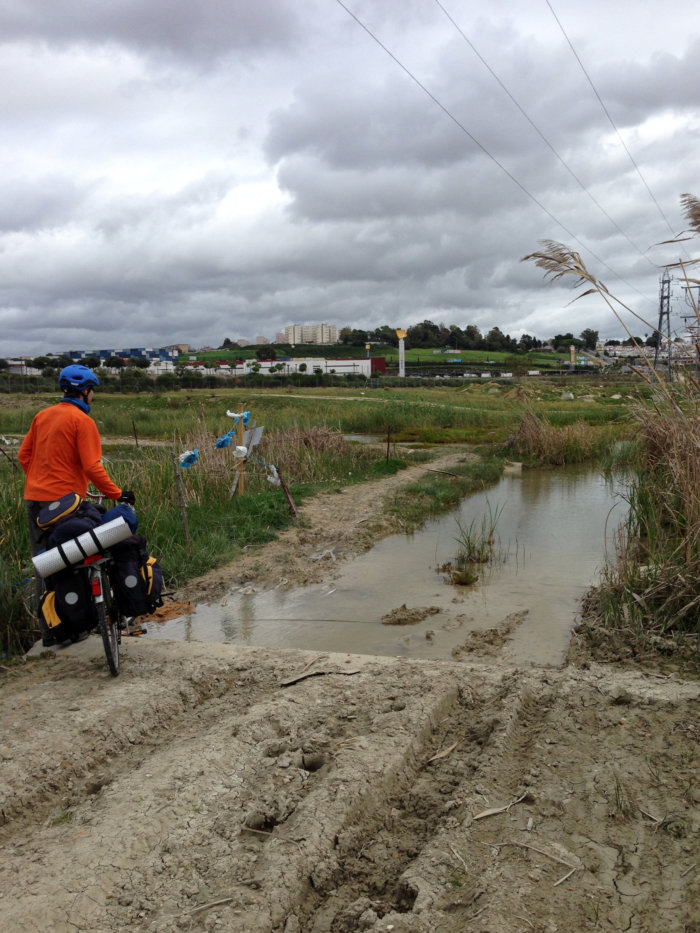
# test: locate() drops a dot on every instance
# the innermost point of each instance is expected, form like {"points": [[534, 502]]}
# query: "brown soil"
{"points": [[213, 787]]}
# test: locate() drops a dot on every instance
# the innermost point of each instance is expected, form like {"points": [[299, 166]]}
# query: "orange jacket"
{"points": [[62, 453]]}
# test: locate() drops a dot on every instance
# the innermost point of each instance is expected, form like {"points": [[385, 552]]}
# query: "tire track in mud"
{"points": [[197, 810], [556, 834], [382, 794], [380, 869], [107, 728], [488, 838]]}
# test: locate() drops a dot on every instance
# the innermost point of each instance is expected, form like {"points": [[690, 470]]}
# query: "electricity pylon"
{"points": [[664, 327]]}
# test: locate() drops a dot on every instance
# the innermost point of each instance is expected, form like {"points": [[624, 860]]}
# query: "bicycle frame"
{"points": [[106, 611]]}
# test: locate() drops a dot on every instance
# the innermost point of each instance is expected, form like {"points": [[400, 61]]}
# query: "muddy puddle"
{"points": [[550, 546]]}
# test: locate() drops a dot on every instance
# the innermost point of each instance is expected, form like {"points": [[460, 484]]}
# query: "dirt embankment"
{"points": [[228, 788]]}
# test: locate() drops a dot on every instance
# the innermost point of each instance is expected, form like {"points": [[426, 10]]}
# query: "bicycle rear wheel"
{"points": [[108, 626]]}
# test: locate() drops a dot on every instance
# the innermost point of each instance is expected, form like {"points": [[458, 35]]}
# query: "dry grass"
{"points": [[539, 442], [657, 566], [650, 588]]}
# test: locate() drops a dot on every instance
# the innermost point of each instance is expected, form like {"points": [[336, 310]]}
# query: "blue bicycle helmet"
{"points": [[78, 377]]}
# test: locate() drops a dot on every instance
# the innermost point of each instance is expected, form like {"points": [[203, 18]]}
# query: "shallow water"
{"points": [[551, 546]]}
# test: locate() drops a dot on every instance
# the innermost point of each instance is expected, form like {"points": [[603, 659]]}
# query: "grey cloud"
{"points": [[39, 203], [633, 89], [357, 124], [322, 194], [174, 26]]}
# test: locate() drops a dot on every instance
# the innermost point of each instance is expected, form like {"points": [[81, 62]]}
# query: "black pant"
{"points": [[36, 544]]}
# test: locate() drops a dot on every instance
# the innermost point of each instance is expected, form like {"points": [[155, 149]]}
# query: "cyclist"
{"points": [[62, 453]]}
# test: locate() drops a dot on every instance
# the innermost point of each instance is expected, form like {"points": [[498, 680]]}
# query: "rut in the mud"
{"points": [[199, 792]]}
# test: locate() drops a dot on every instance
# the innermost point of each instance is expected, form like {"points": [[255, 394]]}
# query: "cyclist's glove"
{"points": [[128, 497]]}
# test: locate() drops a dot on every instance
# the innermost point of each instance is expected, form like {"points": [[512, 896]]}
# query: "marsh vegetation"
{"points": [[304, 438]]}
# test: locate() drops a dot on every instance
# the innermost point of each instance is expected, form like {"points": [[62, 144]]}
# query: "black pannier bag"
{"points": [[87, 516], [56, 511], [66, 606], [136, 577]]}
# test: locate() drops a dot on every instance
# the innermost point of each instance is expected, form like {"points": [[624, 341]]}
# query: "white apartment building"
{"points": [[311, 333]]}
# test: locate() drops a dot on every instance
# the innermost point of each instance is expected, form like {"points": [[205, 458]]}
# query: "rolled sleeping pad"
{"points": [[77, 549]]}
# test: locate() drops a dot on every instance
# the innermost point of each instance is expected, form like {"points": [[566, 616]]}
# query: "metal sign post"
{"points": [[241, 462]]}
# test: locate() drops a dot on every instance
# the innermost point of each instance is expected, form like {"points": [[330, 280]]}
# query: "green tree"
{"points": [[385, 334], [497, 340], [527, 343], [115, 362], [562, 342], [134, 379], [472, 337], [426, 334], [590, 338], [265, 353], [350, 336]]}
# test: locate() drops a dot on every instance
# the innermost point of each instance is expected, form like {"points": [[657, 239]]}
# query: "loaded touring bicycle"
{"points": [[97, 572]]}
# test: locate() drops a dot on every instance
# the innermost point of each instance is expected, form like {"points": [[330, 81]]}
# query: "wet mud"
{"points": [[222, 787]]}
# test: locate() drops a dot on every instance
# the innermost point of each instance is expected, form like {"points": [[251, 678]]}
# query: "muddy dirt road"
{"points": [[245, 789]]}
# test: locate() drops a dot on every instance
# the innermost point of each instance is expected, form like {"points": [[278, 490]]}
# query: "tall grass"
{"points": [[649, 589], [538, 441], [16, 588]]}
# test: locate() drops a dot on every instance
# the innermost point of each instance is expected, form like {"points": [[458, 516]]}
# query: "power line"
{"points": [[542, 136], [612, 122], [486, 152]]}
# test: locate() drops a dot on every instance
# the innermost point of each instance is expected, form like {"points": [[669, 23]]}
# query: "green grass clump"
{"points": [[476, 541], [435, 493]]}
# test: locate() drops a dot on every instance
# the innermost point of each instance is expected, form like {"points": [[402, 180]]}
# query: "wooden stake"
{"points": [[286, 492]]}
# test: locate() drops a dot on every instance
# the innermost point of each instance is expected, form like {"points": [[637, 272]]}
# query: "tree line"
{"points": [[428, 335]]}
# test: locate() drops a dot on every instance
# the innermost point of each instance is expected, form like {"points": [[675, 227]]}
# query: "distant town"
{"points": [[362, 353]]}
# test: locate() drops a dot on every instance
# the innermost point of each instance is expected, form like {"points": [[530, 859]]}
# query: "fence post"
{"points": [[286, 491]]}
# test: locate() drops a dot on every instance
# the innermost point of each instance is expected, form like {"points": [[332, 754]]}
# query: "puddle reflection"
{"points": [[551, 544]]}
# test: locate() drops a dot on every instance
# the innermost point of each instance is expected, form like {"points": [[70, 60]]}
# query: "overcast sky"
{"points": [[185, 172]]}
